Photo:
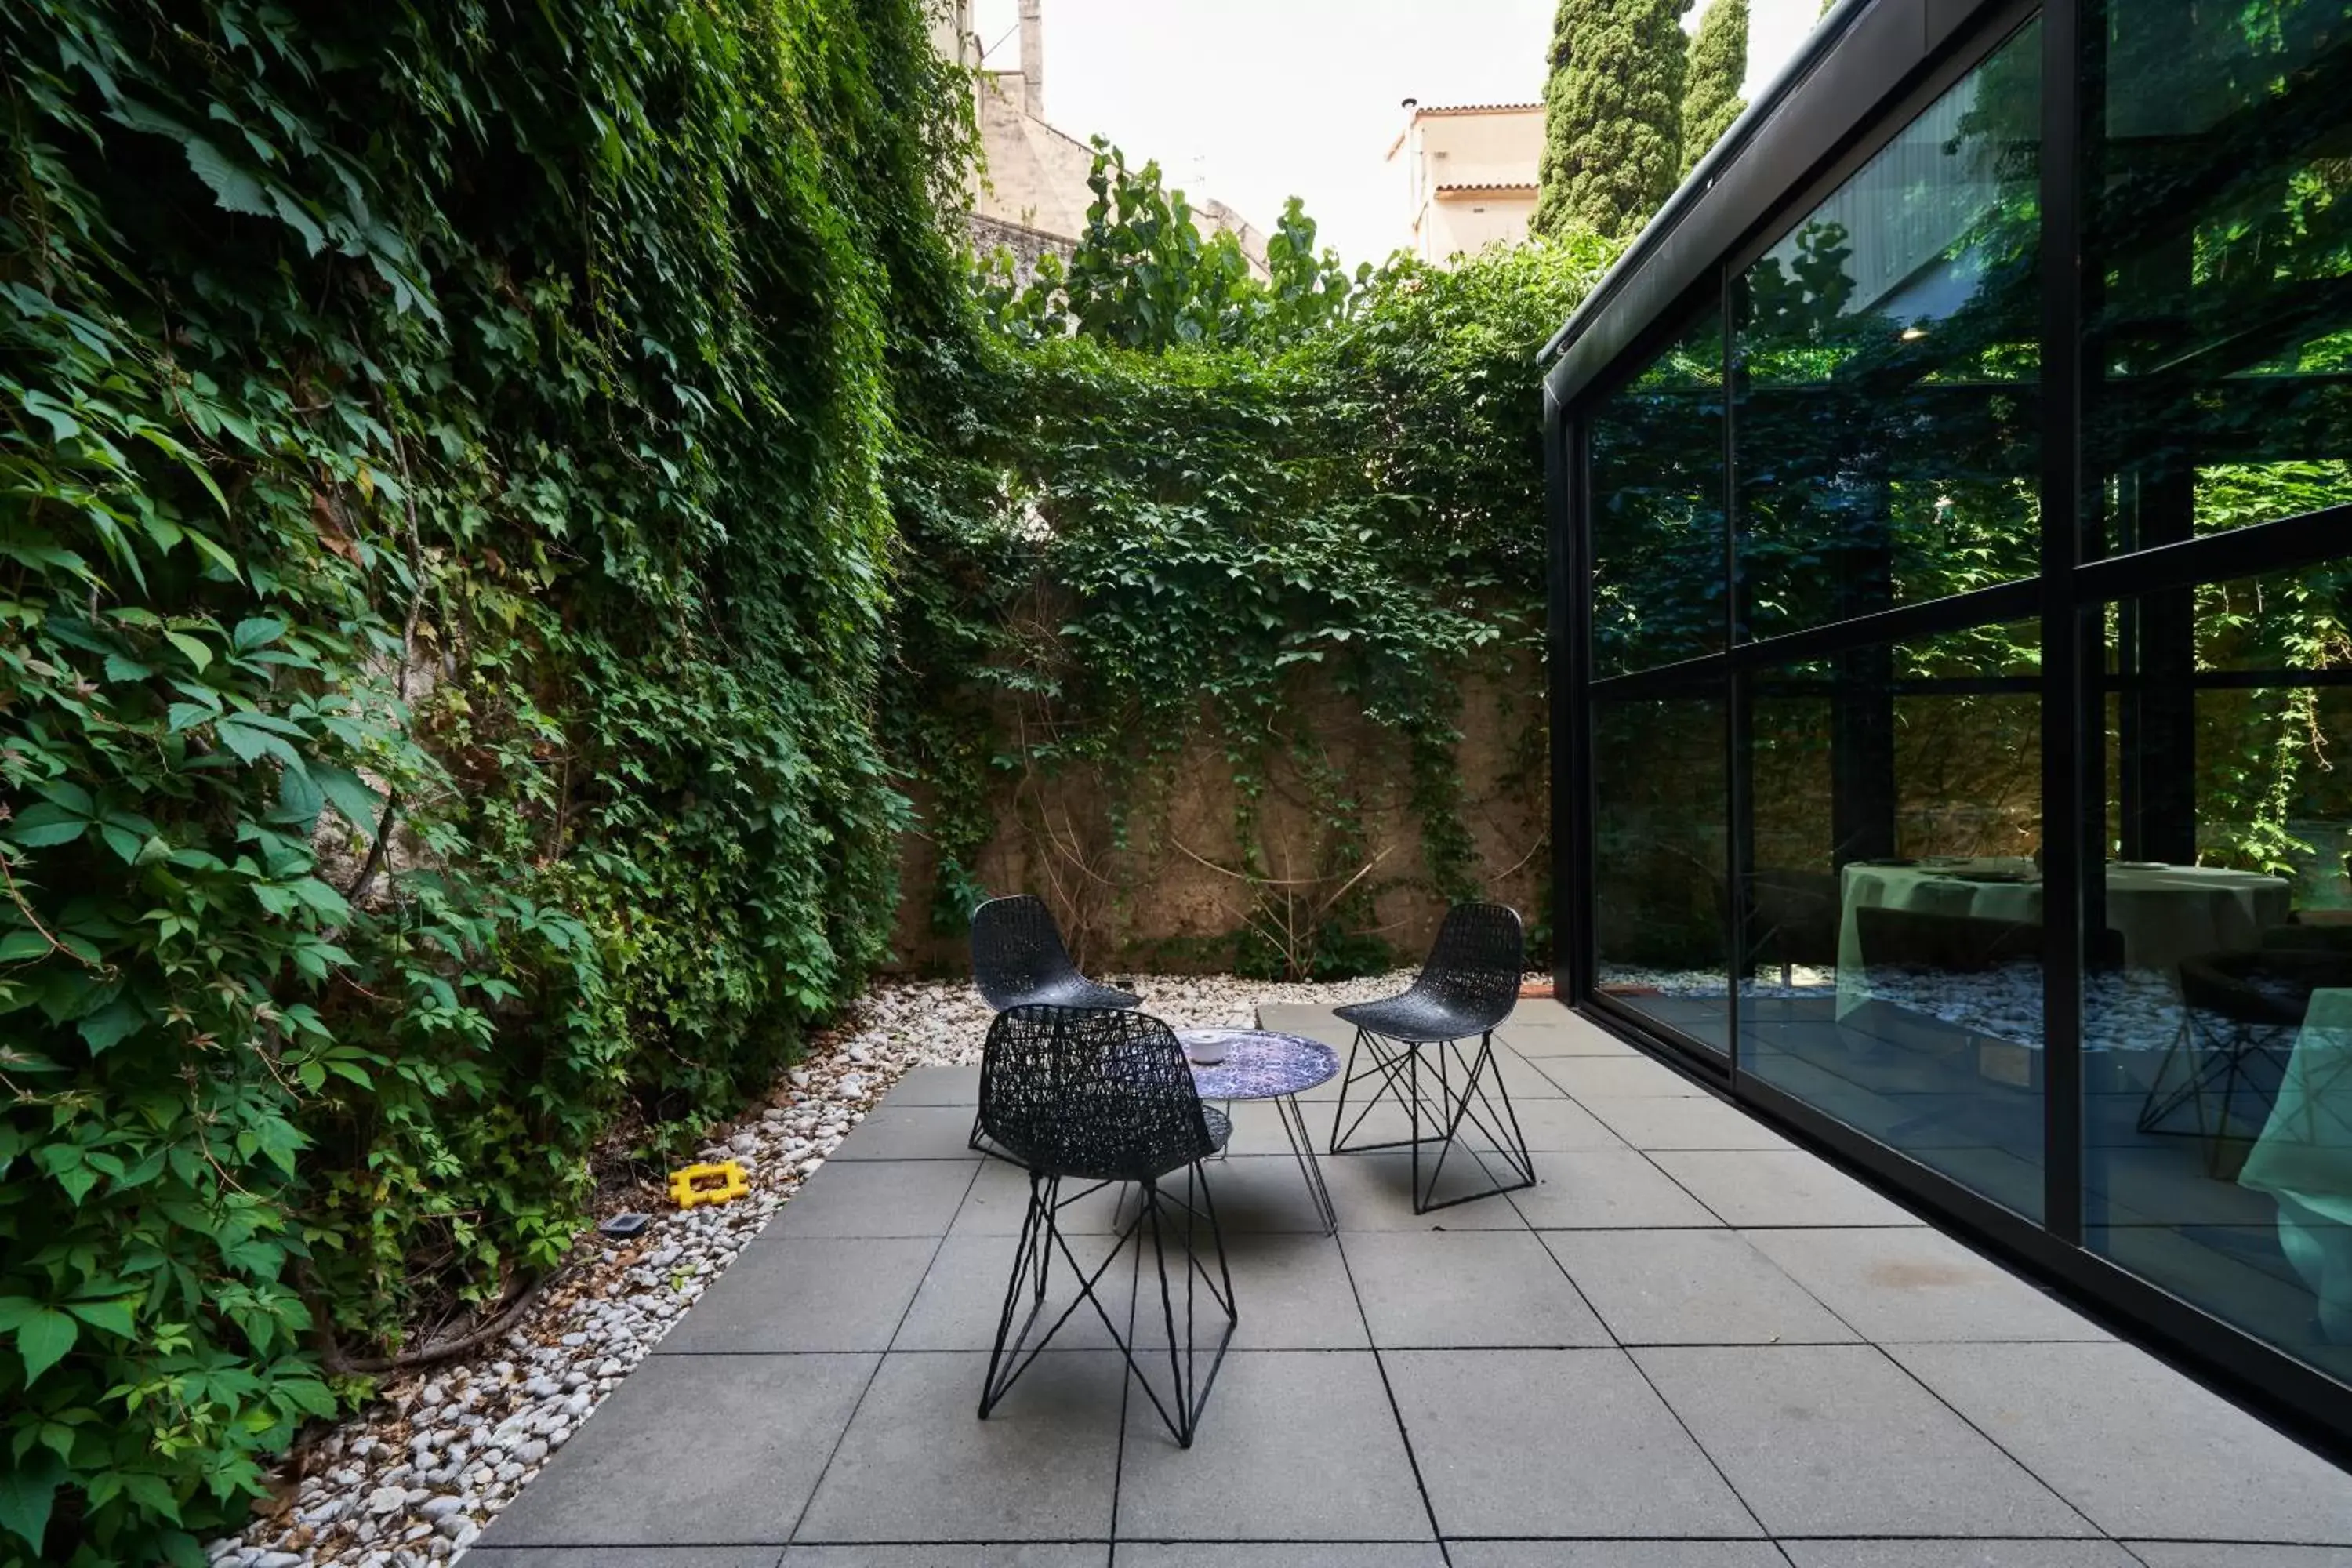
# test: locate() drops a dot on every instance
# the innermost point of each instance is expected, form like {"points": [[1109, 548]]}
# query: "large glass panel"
{"points": [[1658, 861], [1890, 971], [2218, 234], [1885, 363], [1656, 456], [2217, 1048]]}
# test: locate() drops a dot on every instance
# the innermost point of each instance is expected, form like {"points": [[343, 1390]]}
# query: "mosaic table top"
{"points": [[1260, 1063]]}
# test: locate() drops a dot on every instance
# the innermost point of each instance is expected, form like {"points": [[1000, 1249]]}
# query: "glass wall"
{"points": [[1892, 910], [2218, 239], [1886, 370], [1836, 618], [1659, 857]]}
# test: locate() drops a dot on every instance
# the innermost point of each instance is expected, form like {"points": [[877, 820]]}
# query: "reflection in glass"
{"points": [[2218, 1063], [2218, 234], [1658, 861], [1656, 448], [1886, 360], [1892, 971]]}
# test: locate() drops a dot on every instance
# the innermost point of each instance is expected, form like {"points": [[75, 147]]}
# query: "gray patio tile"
{"points": [[962, 1295], [806, 1294], [875, 1197], [1962, 1554], [1691, 1287], [1606, 1189], [1548, 1029], [1288, 1555], [1615, 1554], [961, 1554], [910, 1132], [2200, 1554], [1835, 1440], [643, 1470], [999, 1202], [1498, 1287], [1910, 1283], [915, 1465], [936, 1086], [1756, 1187], [1555, 1125], [1255, 1192], [1374, 1191], [1681, 1121], [1617, 1077], [1555, 1443], [624, 1557], [1294, 1445], [2137, 1446], [1293, 1292], [1258, 1127]]}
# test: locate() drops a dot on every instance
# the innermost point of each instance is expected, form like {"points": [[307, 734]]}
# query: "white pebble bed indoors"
{"points": [[412, 1479]]}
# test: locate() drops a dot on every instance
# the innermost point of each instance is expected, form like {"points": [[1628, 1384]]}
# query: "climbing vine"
{"points": [[443, 551], [1216, 513]]}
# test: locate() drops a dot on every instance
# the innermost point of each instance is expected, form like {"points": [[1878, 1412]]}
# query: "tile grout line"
{"points": [[834, 1452], [1396, 1411]]}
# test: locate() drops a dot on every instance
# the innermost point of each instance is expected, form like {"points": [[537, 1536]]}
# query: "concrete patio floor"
{"points": [[1692, 1345]]}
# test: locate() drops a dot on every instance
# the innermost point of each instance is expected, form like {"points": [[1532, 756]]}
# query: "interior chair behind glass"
{"points": [[2241, 1013], [1094, 1097], [1018, 959], [1415, 1050]]}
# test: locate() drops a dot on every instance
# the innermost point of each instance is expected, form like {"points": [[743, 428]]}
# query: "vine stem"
{"points": [[379, 850]]}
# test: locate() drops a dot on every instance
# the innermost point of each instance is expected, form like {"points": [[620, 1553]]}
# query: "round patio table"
{"points": [[1264, 1064]]}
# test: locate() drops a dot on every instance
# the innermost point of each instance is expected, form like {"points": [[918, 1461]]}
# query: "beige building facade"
{"points": [[1031, 196], [1467, 174]]}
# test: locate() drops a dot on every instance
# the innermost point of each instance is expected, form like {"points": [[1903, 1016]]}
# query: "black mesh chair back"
{"points": [[1095, 1093], [1018, 958], [1094, 1096], [1469, 985]]}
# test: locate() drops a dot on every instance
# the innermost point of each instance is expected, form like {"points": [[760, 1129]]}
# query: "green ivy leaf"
{"points": [[28, 1487], [113, 1317], [197, 653], [43, 1338], [108, 1027], [234, 190]]}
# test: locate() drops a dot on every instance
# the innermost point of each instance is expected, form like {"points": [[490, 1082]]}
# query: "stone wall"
{"points": [[1153, 888]]}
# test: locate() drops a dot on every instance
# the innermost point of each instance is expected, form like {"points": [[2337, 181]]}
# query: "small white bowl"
{"points": [[1205, 1053]]}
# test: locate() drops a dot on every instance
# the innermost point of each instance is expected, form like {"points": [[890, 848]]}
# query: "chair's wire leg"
{"points": [[1034, 1221]]}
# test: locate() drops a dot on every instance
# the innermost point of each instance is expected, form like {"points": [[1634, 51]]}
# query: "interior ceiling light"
{"points": [[1913, 334]]}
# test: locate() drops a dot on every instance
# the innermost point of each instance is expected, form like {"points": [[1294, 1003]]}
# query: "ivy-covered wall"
{"points": [[1221, 621], [442, 548]]}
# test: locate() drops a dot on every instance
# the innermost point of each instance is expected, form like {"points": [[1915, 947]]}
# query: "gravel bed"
{"points": [[2123, 1010], [413, 1479]]}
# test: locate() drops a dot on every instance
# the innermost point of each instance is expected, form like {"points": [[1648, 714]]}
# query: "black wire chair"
{"points": [[2240, 1016], [1469, 985], [1100, 1095], [1019, 959]]}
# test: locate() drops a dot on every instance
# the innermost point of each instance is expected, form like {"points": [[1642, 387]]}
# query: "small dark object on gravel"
{"points": [[621, 1226]]}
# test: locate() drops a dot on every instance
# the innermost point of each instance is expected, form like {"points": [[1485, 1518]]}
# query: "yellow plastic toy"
{"points": [[719, 1184]]}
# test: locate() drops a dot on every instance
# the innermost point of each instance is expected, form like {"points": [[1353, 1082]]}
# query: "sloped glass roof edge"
{"points": [[1859, 56]]}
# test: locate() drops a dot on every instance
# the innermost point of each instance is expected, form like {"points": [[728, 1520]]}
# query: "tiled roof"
{"points": [[1474, 107]]}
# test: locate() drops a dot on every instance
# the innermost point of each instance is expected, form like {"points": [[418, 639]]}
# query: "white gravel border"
{"points": [[413, 1479]]}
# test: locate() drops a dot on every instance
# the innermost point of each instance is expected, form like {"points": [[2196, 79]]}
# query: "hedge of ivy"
{"points": [[445, 537], [1179, 508]]}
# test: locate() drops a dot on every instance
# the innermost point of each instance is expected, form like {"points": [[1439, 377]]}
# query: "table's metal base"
{"points": [[1302, 1148]]}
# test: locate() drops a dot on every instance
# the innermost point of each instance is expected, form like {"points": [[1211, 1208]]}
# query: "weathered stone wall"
{"points": [[1155, 890]]}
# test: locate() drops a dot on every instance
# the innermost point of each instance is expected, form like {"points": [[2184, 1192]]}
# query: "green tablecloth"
{"points": [[2304, 1159], [2165, 913]]}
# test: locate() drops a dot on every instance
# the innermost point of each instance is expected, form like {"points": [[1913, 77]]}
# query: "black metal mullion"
{"points": [[2062, 737], [1740, 842], [2313, 538]]}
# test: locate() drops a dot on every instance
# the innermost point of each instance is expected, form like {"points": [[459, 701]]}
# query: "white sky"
{"points": [[1254, 101]]}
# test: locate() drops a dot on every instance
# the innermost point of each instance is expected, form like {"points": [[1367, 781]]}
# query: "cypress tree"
{"points": [[1718, 63], [1612, 114]]}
